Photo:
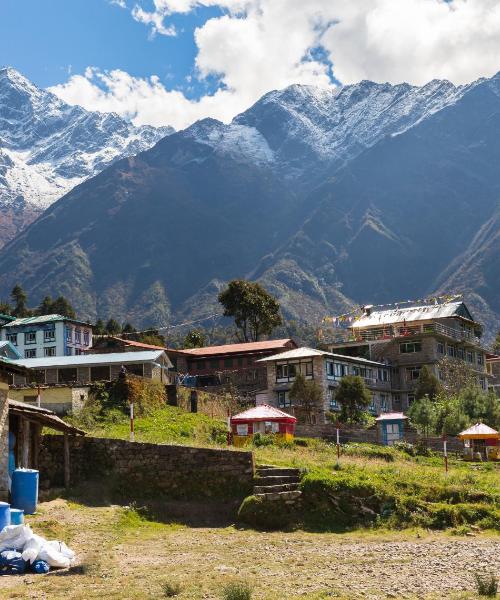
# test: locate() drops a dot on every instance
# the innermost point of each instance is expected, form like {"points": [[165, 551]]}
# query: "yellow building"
{"points": [[480, 443]]}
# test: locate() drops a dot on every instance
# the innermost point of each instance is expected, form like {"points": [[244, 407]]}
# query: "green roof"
{"points": [[42, 319], [7, 317]]}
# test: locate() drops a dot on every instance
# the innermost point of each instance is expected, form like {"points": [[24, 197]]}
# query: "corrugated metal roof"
{"points": [[261, 413], [4, 345], [121, 358], [391, 416], [304, 352], [479, 429], [413, 313], [44, 416], [43, 319], [237, 348]]}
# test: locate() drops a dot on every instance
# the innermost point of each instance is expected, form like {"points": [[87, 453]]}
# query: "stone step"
{"points": [[276, 480], [293, 495], [276, 471], [270, 489]]}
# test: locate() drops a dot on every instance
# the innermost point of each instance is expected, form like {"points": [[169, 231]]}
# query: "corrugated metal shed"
{"points": [[90, 360], [413, 313], [43, 416]]}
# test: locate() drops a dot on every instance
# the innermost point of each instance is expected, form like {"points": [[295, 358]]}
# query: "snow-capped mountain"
{"points": [[47, 146]]}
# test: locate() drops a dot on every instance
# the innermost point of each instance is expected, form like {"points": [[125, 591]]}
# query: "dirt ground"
{"points": [[121, 556]]}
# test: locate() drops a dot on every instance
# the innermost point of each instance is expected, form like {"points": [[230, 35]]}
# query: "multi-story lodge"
{"points": [[47, 335], [409, 338], [327, 369]]}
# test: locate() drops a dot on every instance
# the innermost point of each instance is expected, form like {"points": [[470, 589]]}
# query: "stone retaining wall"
{"points": [[152, 471]]}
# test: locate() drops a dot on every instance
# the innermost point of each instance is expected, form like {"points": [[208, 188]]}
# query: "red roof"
{"points": [[264, 412], [240, 348], [138, 344]]}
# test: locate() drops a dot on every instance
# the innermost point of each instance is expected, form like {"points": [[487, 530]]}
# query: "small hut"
{"points": [[480, 443], [262, 419], [390, 427]]}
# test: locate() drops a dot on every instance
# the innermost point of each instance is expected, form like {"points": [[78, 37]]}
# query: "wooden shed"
{"points": [[262, 419], [480, 443]]}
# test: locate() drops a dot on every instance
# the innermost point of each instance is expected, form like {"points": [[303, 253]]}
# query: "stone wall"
{"points": [[152, 471], [213, 405]]}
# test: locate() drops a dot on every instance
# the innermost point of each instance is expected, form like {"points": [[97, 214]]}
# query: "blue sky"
{"points": [[47, 40], [175, 61]]}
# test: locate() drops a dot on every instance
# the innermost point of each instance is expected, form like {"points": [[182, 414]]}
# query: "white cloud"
{"points": [[120, 3], [259, 45]]}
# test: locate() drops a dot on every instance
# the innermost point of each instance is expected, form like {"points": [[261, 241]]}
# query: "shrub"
{"points": [[171, 589], [405, 447], [486, 585], [369, 451], [237, 590], [262, 439]]}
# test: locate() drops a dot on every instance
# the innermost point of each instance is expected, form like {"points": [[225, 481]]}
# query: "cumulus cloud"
{"points": [[259, 45]]}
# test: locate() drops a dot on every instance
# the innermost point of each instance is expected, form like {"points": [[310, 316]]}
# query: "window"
{"points": [[49, 351], [330, 369], [440, 348], [482, 383], [67, 375], [241, 429], [309, 369], [282, 371], [78, 336], [480, 358], [214, 363], [383, 375], [411, 399], [69, 334], [373, 405], [332, 401], [384, 405], [241, 361], [292, 371], [452, 351], [86, 337], [410, 347], [137, 369], [49, 335], [340, 370], [68, 352], [30, 337], [30, 353], [12, 338], [200, 365], [228, 362], [412, 373], [460, 353], [470, 356], [283, 400]]}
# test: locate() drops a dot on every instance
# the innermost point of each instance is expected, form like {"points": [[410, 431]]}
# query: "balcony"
{"points": [[394, 331]]}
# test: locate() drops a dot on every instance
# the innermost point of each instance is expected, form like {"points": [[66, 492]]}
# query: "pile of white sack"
{"points": [[32, 547]]}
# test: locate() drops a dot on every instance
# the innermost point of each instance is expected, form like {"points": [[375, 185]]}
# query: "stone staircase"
{"points": [[277, 483]]}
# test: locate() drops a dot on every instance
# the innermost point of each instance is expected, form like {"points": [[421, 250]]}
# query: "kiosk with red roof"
{"points": [[262, 419], [480, 443]]}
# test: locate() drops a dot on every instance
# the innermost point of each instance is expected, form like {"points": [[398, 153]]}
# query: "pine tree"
{"points": [[427, 384], [19, 298], [99, 328], [113, 327]]}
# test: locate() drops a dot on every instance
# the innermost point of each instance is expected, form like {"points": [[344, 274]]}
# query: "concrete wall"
{"points": [[4, 441], [59, 399], [148, 470]]}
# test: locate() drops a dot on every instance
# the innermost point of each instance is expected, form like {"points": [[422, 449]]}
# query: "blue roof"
{"points": [[43, 319]]}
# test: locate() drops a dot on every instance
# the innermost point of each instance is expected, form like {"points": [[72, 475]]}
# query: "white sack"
{"points": [[61, 548], [54, 558], [32, 548], [15, 537]]}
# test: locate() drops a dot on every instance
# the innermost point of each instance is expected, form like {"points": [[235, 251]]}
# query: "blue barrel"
{"points": [[24, 490], [4, 515], [16, 516]]}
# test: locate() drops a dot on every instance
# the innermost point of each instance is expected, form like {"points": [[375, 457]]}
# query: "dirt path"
{"points": [[125, 561]]}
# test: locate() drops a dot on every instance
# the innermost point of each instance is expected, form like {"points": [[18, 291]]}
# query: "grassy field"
{"points": [[371, 485], [122, 555]]}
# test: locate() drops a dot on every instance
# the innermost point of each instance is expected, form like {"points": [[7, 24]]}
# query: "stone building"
{"points": [[493, 370], [327, 369], [409, 338]]}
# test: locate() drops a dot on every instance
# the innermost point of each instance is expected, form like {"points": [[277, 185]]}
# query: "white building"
{"points": [[48, 335]]}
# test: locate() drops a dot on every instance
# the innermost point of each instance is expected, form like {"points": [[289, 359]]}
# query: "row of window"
{"points": [[384, 404], [216, 363], [287, 371], [70, 374], [49, 335], [78, 336], [458, 352], [47, 351], [334, 369]]}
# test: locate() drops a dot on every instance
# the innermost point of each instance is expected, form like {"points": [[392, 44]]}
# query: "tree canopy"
{"points": [[255, 311], [306, 397], [427, 384], [19, 299], [196, 338], [354, 398]]}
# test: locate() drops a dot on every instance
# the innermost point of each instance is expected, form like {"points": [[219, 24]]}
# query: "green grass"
{"points": [[168, 425]]}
